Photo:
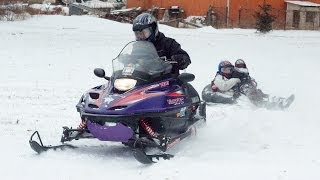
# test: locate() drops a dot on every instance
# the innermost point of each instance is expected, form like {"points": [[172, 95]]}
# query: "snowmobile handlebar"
{"points": [[173, 62]]}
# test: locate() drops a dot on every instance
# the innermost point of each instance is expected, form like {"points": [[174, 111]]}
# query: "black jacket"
{"points": [[169, 48], [240, 75]]}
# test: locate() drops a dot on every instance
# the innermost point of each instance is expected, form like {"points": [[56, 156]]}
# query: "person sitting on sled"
{"points": [[248, 87], [221, 88], [231, 82]]}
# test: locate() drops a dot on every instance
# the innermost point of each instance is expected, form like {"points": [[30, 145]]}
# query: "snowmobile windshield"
{"points": [[139, 60]]}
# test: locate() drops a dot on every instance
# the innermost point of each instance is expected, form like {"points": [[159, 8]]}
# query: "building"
{"points": [[302, 15], [239, 13]]}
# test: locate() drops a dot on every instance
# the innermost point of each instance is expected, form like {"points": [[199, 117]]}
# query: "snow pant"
{"points": [[260, 99]]}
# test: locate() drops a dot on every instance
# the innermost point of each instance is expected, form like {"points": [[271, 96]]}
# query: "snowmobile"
{"points": [[142, 105], [248, 88]]}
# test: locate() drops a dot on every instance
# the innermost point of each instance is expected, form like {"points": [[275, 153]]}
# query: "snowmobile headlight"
{"points": [[124, 84]]}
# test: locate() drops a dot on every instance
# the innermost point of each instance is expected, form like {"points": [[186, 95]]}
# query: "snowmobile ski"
{"points": [[39, 148], [143, 158]]}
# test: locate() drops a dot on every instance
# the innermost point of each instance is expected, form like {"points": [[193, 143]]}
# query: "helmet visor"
{"points": [[241, 65], [226, 70], [143, 35]]}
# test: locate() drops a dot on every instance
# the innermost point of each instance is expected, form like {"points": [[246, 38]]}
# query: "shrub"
{"points": [[12, 10], [264, 18]]}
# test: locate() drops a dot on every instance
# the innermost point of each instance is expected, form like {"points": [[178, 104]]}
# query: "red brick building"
{"points": [[235, 13]]}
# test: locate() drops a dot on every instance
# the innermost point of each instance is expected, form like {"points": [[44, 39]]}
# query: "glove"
{"points": [[236, 95], [254, 83], [214, 88], [182, 60]]}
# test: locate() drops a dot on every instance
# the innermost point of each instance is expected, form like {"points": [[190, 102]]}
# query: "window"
{"points": [[310, 16]]}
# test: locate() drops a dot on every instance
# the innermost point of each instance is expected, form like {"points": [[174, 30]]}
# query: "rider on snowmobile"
{"points": [[145, 28]]}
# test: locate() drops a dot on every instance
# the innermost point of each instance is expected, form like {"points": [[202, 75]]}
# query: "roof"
{"points": [[304, 3]]}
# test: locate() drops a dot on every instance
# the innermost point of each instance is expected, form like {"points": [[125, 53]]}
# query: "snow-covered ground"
{"points": [[47, 63]]}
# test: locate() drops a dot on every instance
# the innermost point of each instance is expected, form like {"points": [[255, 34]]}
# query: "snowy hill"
{"points": [[47, 63]]}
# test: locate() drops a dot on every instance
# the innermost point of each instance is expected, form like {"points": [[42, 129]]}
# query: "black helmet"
{"points": [[145, 27], [240, 64]]}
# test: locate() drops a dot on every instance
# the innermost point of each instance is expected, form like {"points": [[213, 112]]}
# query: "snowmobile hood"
{"points": [[150, 98]]}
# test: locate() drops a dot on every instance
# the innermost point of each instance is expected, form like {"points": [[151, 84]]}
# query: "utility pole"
{"points": [[228, 12]]}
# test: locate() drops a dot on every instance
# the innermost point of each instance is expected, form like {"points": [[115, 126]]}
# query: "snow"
{"points": [[124, 10], [198, 20], [47, 63], [304, 3], [11, 6], [98, 4]]}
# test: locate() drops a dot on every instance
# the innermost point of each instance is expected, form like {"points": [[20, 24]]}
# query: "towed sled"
{"points": [[211, 97], [142, 106], [256, 96]]}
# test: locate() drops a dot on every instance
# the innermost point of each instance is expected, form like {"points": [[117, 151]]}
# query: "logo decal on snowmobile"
{"points": [[176, 101], [182, 112], [162, 84], [128, 70], [108, 99]]}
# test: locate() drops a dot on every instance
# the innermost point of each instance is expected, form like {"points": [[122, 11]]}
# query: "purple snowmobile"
{"points": [[142, 105]]}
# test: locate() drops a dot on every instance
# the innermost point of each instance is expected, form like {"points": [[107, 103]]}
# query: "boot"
{"points": [[279, 102]]}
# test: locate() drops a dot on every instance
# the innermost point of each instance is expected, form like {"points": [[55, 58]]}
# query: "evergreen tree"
{"points": [[264, 18]]}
